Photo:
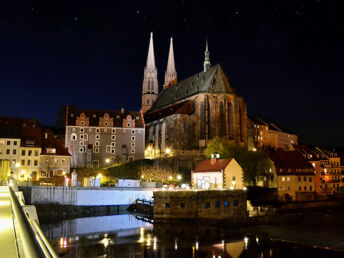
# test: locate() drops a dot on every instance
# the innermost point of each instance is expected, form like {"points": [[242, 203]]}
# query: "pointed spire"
{"points": [[150, 57], [171, 73], [206, 64], [150, 87]]}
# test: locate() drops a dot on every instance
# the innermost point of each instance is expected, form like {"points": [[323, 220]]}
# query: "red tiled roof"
{"points": [[207, 166], [289, 159]]}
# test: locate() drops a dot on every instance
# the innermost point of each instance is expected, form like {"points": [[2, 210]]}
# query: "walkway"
{"points": [[7, 238]]}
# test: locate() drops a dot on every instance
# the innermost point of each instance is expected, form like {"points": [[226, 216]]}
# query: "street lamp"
{"points": [[107, 161], [170, 177], [167, 151], [179, 177]]}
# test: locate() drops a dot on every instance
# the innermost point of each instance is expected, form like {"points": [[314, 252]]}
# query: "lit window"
{"points": [[283, 178], [288, 178]]}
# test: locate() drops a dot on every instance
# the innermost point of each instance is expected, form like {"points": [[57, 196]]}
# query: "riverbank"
{"points": [[57, 212]]}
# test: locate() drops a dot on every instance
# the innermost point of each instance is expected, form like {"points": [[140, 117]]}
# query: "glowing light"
{"points": [[149, 240], [175, 244], [107, 160], [231, 188], [167, 151], [257, 240], [149, 149], [154, 243], [197, 245], [246, 242], [22, 172], [17, 165], [170, 177], [217, 156], [99, 175], [10, 184], [142, 176], [244, 188], [254, 149], [179, 177], [105, 242]]}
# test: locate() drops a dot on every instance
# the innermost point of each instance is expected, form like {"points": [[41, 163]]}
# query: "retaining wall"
{"points": [[84, 196]]}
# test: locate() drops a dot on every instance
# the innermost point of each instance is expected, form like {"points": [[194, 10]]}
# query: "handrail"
{"points": [[34, 245]]}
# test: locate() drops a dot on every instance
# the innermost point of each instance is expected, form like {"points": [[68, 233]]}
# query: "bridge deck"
{"points": [[7, 237]]}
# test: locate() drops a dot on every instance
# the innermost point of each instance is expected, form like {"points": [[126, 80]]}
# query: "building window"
{"points": [[29, 162], [35, 162], [182, 205], [310, 188], [63, 161], [15, 143], [113, 130], [81, 136], [304, 178], [22, 162], [167, 205], [96, 143], [132, 131], [8, 142], [299, 188], [97, 130], [23, 153], [97, 136], [207, 205], [108, 148], [82, 122], [217, 204], [283, 178], [305, 188], [105, 130], [113, 144], [29, 153], [106, 124], [310, 179], [235, 203], [82, 130], [82, 149], [133, 144], [73, 136], [132, 150], [113, 151], [14, 151], [82, 143], [226, 204], [299, 178], [113, 137], [288, 178], [133, 138], [8, 151], [36, 153], [96, 149], [85, 137]]}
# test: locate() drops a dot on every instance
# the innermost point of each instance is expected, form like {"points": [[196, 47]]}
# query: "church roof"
{"points": [[212, 81]]}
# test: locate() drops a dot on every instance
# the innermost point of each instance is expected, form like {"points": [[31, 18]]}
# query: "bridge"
{"points": [[20, 233]]}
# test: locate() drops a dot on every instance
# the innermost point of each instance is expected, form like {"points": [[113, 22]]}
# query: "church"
{"points": [[187, 114]]}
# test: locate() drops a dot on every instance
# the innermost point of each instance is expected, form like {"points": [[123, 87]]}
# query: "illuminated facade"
{"points": [[98, 138], [199, 108], [268, 135]]}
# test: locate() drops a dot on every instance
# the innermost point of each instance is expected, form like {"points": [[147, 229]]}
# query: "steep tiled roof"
{"points": [[209, 166], [212, 81], [50, 141], [94, 116], [184, 107]]}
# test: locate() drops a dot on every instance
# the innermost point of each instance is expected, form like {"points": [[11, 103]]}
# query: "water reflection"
{"points": [[126, 236]]}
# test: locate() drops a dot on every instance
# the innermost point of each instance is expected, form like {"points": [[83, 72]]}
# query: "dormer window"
{"points": [[51, 150]]}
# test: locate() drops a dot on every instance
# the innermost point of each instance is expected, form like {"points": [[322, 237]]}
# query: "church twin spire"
{"points": [[171, 73], [150, 87]]}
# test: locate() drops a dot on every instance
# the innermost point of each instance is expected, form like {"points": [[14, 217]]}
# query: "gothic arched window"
{"points": [[202, 123], [147, 101], [222, 121], [230, 120], [148, 84]]}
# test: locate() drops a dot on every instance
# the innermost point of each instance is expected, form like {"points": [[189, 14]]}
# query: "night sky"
{"points": [[284, 57]]}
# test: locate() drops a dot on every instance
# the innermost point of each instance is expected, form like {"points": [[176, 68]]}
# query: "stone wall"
{"points": [[203, 205], [81, 196]]}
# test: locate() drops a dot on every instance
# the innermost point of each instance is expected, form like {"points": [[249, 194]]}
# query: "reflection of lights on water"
{"points": [[270, 252], [149, 240], [197, 245], [246, 242], [154, 243], [257, 240], [223, 245], [142, 235], [175, 244], [63, 242], [105, 242]]}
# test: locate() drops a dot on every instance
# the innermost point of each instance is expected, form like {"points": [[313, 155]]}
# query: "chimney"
{"points": [[122, 110], [214, 158]]}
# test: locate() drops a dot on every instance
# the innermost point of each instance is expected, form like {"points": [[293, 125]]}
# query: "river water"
{"points": [[129, 235]]}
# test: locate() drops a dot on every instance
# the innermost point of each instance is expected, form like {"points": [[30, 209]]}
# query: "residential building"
{"points": [[218, 174], [295, 175], [23, 142], [188, 114], [268, 135], [98, 138]]}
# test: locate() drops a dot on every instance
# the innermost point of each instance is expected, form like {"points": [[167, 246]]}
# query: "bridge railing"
{"points": [[32, 240]]}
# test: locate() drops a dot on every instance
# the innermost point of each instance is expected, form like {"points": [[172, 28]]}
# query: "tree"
{"points": [[183, 136], [253, 163]]}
